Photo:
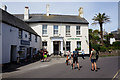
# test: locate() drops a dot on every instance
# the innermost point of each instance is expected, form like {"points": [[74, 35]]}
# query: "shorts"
{"points": [[93, 60], [45, 56], [75, 60]]}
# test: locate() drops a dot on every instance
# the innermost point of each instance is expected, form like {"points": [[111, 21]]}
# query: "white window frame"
{"points": [[67, 30], [78, 32], [55, 31], [43, 43], [44, 29]]}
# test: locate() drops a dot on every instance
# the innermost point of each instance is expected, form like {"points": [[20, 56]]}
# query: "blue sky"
{"points": [[71, 8]]}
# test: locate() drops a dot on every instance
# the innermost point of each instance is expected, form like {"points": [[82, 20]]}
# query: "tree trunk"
{"points": [[101, 33]]}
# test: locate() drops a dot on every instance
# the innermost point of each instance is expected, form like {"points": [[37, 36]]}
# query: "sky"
{"points": [[71, 8]]}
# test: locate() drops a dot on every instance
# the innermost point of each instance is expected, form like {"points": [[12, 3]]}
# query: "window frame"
{"points": [[67, 30], [78, 30], [68, 46], [30, 37], [44, 30], [80, 44], [55, 31], [44, 42], [20, 32], [35, 38]]}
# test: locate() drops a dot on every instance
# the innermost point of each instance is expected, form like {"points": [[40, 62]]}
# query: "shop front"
{"points": [[24, 49]]}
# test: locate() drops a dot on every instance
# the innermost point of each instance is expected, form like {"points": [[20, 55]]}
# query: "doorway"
{"points": [[13, 53], [56, 47]]}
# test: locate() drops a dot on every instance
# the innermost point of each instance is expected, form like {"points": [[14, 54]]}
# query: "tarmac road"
{"points": [[107, 68]]}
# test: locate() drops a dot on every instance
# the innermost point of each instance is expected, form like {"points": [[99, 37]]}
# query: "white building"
{"points": [[59, 32], [16, 35]]}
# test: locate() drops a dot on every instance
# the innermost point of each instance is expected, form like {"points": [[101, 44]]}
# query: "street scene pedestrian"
{"points": [[83, 53], [75, 59], [45, 55], [68, 60], [93, 59]]}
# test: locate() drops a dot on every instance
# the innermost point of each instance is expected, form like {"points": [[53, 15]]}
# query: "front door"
{"points": [[56, 47], [13, 53]]}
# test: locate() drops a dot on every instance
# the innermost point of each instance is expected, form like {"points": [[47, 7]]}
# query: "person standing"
{"points": [[83, 53], [45, 54], [93, 59], [75, 59]]}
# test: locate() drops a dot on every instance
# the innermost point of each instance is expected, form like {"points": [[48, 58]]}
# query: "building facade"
{"points": [[16, 36], [59, 33]]}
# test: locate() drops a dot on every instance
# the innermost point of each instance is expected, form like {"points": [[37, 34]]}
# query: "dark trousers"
{"points": [[83, 56]]}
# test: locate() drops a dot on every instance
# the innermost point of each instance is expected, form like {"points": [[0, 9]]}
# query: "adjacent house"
{"points": [[59, 33], [16, 36]]}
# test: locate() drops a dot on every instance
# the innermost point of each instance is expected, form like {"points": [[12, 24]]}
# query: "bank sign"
{"points": [[73, 38]]}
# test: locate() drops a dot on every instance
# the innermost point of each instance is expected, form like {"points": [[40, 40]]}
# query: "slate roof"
{"points": [[53, 18], [14, 21]]}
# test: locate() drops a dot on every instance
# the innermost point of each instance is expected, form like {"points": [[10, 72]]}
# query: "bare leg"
{"points": [[92, 66], [70, 62], [78, 65], [95, 65]]}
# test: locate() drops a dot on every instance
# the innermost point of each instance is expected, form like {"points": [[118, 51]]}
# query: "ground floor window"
{"points": [[79, 45], [68, 43], [44, 44]]}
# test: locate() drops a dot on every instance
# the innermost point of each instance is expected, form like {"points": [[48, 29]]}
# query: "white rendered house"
{"points": [[16, 35], [59, 33]]}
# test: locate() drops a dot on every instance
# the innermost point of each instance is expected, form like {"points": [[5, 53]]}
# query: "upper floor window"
{"points": [[25, 35], [30, 37], [35, 38], [20, 33], [44, 29], [77, 30], [67, 30], [55, 29]]}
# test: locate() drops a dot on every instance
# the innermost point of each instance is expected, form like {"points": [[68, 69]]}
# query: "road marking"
{"points": [[116, 75]]}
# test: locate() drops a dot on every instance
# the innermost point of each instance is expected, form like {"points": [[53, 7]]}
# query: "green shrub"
{"points": [[79, 48], [95, 46], [103, 48], [116, 45]]}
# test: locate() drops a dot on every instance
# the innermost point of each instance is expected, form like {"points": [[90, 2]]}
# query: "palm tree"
{"points": [[101, 19]]}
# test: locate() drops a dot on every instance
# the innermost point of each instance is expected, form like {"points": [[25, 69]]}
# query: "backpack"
{"points": [[75, 54]]}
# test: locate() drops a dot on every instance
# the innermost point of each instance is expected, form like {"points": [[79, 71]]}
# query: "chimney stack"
{"points": [[4, 7], [81, 12], [26, 13], [47, 9]]}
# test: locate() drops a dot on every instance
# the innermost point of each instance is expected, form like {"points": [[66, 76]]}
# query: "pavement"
{"points": [[56, 68]]}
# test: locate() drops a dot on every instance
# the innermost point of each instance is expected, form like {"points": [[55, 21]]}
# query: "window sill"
{"points": [[45, 35], [56, 35], [68, 35], [78, 35]]}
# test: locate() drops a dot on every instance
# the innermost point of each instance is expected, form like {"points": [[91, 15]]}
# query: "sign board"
{"points": [[24, 42], [73, 39]]}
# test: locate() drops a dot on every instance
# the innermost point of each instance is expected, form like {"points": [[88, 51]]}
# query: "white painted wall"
{"points": [[112, 40], [62, 33], [0, 42], [11, 37]]}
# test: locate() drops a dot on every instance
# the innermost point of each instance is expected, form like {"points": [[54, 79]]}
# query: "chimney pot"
{"points": [[81, 12], [47, 9], [26, 13], [4, 7]]}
